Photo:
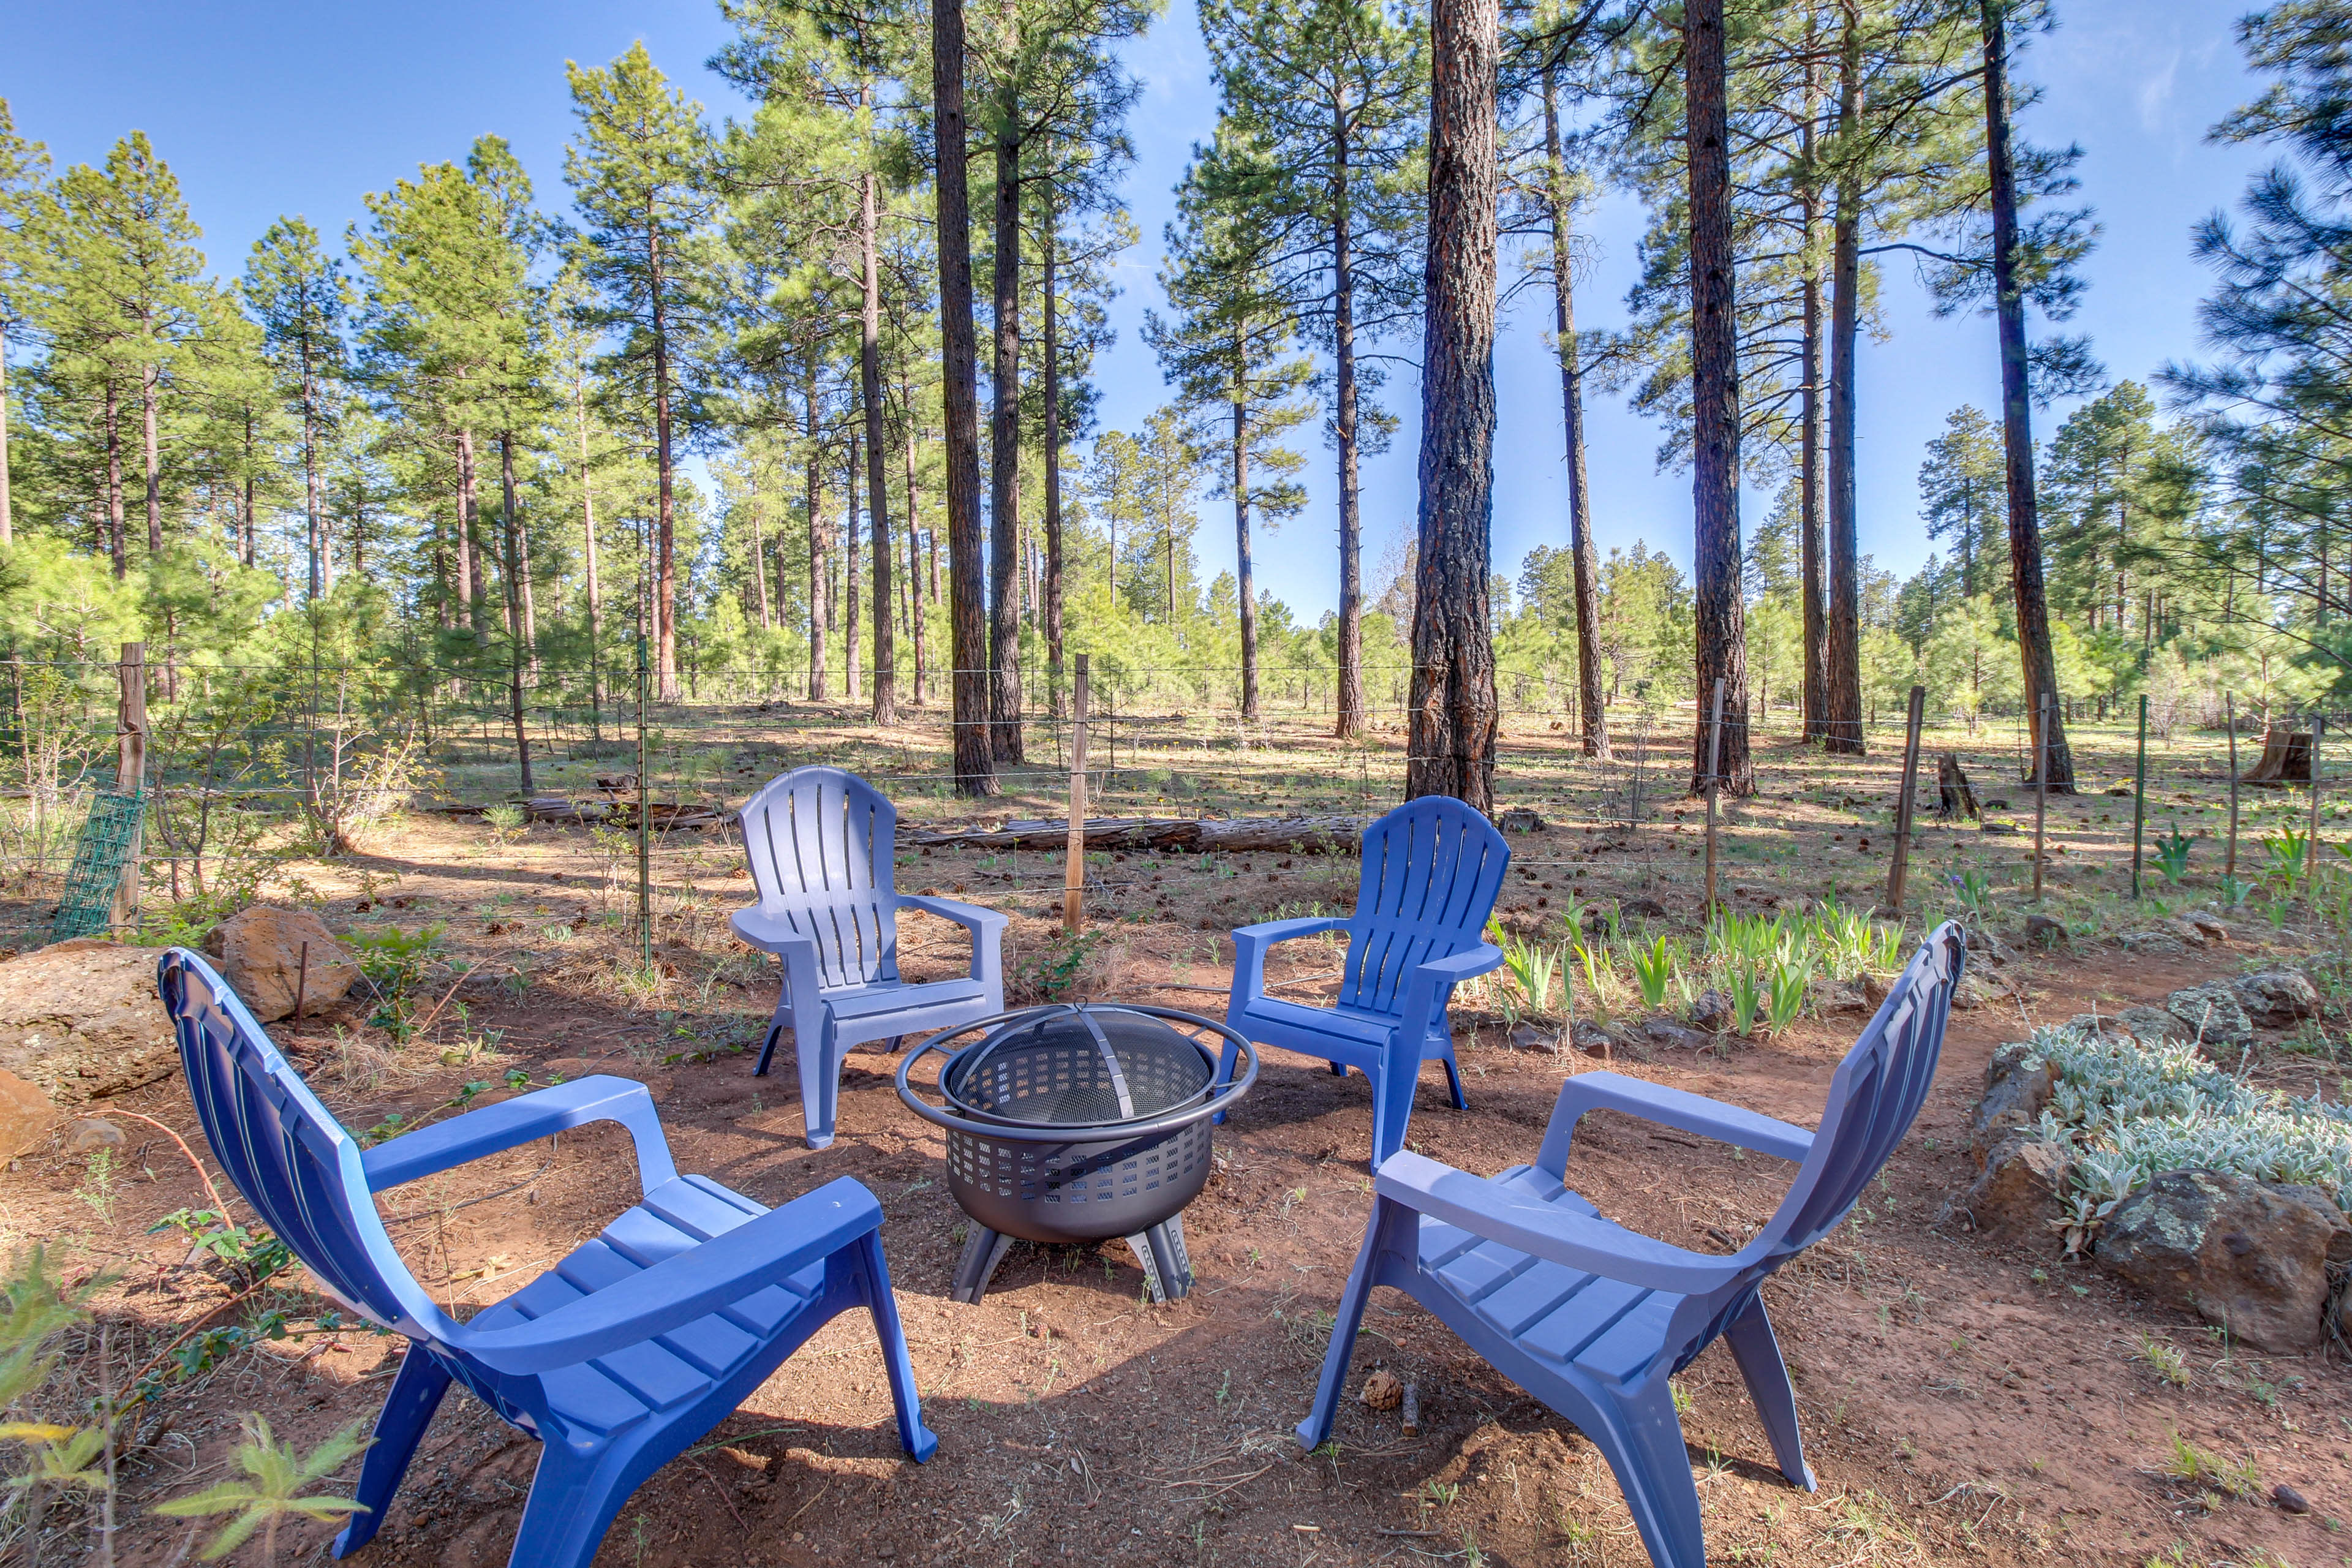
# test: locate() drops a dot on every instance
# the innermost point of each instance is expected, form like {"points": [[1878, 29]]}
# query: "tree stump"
{"points": [[2285, 758], [1953, 794]]}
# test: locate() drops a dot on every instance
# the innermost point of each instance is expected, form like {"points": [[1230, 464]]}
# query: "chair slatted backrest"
{"points": [[288, 1156], [1873, 1097], [821, 843], [1431, 870]]}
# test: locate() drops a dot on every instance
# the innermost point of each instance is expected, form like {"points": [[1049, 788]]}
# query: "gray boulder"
{"points": [[2151, 1026], [1712, 1012], [2022, 1194], [2013, 1102], [2211, 1015], [2099, 1025], [81, 1020], [2237, 1252], [2276, 997], [2155, 942]]}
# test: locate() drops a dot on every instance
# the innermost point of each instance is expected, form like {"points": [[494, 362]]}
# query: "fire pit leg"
{"points": [[984, 1249], [1166, 1268]]}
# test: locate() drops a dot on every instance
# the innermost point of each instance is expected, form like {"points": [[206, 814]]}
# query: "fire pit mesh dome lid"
{"points": [[1079, 1066]]}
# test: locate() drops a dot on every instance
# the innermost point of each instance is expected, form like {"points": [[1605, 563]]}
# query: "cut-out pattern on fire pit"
{"points": [[1076, 1125]]}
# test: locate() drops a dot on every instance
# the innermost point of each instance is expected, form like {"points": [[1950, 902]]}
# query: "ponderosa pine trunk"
{"points": [[1244, 579], [315, 511], [877, 461], [1004, 445], [7, 516], [975, 764], [150, 457], [588, 551], [666, 518], [2025, 575], [915, 607], [1841, 673], [850, 587], [1051, 599], [470, 586], [1592, 717], [117, 547], [818, 622], [1814, 623], [1454, 704], [1348, 720], [517, 642], [1720, 630]]}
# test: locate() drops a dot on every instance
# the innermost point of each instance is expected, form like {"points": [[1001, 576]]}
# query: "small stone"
{"points": [[1843, 999], [2213, 1017], [2208, 925], [1712, 1012], [1641, 910], [2100, 1026], [1662, 1031], [2154, 943], [1532, 1037], [1519, 819], [1591, 1039], [2276, 997], [1383, 1390], [2040, 931], [25, 1115], [2123, 791], [2022, 1190], [1996, 803], [2151, 1026], [1972, 993], [89, 1133], [2289, 1499]]}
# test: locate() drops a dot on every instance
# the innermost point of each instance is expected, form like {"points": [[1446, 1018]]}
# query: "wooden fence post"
{"points": [[645, 824], [2139, 792], [1900, 869], [1714, 756], [2230, 854], [2310, 844], [130, 774], [2041, 785], [1074, 877]]}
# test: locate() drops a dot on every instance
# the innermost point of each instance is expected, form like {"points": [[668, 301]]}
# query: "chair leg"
{"points": [[574, 1498], [819, 1061], [1351, 1317], [1758, 1351], [1642, 1437], [417, 1390], [1454, 1077], [776, 1026], [873, 1273]]}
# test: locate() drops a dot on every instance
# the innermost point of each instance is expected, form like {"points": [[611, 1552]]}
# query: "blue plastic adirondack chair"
{"points": [[1592, 1318], [1431, 870], [618, 1357], [822, 846]]}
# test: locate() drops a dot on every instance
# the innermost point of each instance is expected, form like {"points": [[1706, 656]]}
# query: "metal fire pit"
{"points": [[1069, 1124]]}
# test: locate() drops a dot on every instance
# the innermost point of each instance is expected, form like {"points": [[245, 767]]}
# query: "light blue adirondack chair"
{"points": [[1431, 870], [1592, 1318], [822, 846], [617, 1358]]}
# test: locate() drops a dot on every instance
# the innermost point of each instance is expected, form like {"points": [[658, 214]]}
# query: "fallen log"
{"points": [[1298, 835]]}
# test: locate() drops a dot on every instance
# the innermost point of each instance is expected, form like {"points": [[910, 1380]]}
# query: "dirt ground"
{"points": [[1962, 1402]]}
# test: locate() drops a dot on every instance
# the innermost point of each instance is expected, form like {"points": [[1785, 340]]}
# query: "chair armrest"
{"points": [[510, 1123], [986, 925], [674, 1292], [1250, 944], [1432, 984], [1557, 1236], [1674, 1108]]}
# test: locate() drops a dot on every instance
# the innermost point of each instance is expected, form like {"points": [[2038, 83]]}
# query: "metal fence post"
{"points": [[1898, 873]]}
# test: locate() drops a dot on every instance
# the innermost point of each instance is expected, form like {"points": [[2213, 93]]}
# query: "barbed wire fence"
{"points": [[240, 757]]}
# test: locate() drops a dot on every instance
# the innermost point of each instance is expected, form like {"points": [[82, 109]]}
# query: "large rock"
{"points": [[2155, 942], [2213, 1017], [81, 1020], [2233, 1250], [25, 1116], [2021, 1192], [260, 951], [2152, 1026], [2276, 997], [2013, 1103]]}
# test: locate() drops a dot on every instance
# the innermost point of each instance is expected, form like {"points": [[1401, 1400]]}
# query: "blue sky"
{"points": [[263, 109]]}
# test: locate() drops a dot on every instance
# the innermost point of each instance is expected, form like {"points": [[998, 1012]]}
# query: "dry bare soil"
{"points": [[1962, 1402]]}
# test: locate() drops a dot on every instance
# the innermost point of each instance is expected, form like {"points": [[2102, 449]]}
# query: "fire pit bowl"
{"points": [[1077, 1124]]}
